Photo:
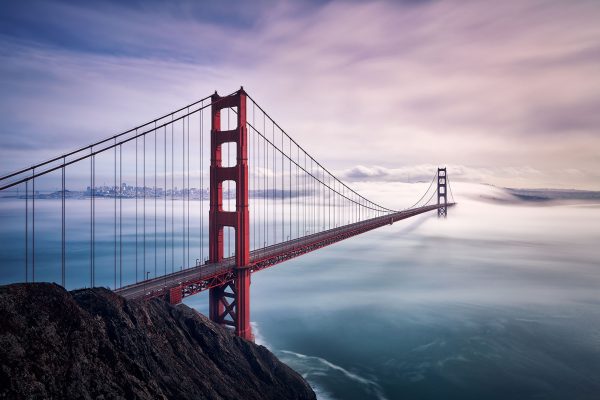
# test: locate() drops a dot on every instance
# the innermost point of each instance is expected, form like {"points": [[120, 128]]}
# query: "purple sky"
{"points": [[506, 93]]}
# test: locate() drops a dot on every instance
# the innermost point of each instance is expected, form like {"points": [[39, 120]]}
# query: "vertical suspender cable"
{"points": [[282, 192], [115, 213], [290, 191], [274, 189], [336, 205], [316, 194], [27, 231], [63, 226], [183, 191], [91, 213], [252, 189], [93, 220], [200, 180], [261, 190], [228, 186], [172, 195], [329, 201], [323, 201], [154, 192], [263, 199], [165, 197], [136, 207], [297, 191], [320, 202], [201, 185], [188, 188], [33, 229], [312, 196], [144, 206], [304, 202], [257, 206], [120, 215]]}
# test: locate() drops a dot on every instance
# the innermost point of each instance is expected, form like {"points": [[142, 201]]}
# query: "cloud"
{"points": [[513, 176], [382, 174], [488, 86], [424, 173]]}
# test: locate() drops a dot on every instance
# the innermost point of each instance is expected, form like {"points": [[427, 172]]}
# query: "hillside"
{"points": [[94, 344]]}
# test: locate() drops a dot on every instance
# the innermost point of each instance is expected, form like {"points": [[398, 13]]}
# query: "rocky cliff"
{"points": [[93, 344]]}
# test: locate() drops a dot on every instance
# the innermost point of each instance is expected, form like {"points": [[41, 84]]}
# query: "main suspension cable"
{"points": [[424, 194]]}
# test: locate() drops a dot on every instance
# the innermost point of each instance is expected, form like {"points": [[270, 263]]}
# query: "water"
{"points": [[499, 300]]}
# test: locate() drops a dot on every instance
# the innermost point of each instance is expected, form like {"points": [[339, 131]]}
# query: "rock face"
{"points": [[93, 344]]}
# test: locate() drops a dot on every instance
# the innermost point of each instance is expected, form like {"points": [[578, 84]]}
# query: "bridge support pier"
{"points": [[175, 295], [230, 302], [222, 304], [242, 320]]}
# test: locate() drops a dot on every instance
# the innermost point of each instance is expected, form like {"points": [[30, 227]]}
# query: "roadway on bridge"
{"points": [[266, 256]]}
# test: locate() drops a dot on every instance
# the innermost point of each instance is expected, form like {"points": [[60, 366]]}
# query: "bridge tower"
{"points": [[229, 303], [441, 192]]}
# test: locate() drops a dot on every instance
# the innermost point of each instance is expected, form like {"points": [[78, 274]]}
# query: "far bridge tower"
{"points": [[442, 198]]}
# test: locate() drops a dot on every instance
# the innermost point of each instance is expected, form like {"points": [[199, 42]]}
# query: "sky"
{"points": [[505, 93]]}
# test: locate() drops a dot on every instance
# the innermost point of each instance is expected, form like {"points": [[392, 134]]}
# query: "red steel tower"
{"points": [[230, 302]]}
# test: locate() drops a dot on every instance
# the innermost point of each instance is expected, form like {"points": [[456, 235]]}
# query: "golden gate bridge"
{"points": [[269, 201]]}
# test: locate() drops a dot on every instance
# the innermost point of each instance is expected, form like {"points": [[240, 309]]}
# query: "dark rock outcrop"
{"points": [[93, 344]]}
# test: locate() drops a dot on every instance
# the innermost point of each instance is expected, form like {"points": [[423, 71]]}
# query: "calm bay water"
{"points": [[500, 300]]}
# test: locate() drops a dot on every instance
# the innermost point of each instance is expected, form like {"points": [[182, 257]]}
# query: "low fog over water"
{"points": [[499, 300]]}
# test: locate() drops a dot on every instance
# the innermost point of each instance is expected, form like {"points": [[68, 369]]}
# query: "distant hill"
{"points": [[553, 194], [93, 344]]}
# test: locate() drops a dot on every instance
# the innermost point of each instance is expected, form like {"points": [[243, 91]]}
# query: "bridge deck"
{"points": [[202, 277]]}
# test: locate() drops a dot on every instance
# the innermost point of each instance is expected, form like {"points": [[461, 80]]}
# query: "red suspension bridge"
{"points": [[268, 201]]}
